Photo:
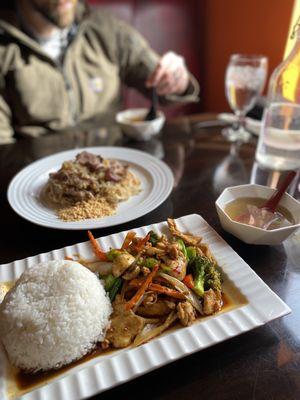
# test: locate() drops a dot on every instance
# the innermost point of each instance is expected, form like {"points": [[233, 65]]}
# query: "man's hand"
{"points": [[170, 76]]}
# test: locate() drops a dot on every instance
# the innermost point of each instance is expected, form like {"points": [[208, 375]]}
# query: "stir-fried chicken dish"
{"points": [[155, 280]]}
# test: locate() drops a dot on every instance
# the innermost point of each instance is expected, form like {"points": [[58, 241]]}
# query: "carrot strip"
{"points": [[69, 258], [167, 291], [136, 282], [96, 248], [142, 242], [158, 288], [188, 281], [128, 239], [142, 289]]}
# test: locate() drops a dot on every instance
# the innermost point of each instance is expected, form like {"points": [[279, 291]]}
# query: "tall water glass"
{"points": [[279, 141], [244, 81]]}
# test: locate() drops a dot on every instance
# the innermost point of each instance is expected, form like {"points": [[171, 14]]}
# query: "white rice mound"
{"points": [[55, 314]]}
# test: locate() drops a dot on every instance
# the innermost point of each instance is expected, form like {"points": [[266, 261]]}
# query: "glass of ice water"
{"points": [[244, 81], [279, 141]]}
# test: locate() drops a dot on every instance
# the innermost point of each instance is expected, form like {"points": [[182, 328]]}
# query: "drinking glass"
{"points": [[279, 140], [244, 82]]}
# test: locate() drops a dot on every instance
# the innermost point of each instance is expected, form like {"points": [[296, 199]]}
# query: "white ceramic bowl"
{"points": [[141, 130], [251, 234]]}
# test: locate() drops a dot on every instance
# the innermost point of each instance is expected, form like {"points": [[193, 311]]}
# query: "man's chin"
{"points": [[62, 17], [59, 22], [62, 22]]}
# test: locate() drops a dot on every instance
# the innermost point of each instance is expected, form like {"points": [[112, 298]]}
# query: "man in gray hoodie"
{"points": [[60, 66]]}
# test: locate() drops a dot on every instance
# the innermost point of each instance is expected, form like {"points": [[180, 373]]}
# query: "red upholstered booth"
{"points": [[167, 25]]}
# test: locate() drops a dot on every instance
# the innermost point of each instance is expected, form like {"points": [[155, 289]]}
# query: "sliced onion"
{"points": [[144, 337], [139, 302], [182, 288], [102, 267], [124, 290]]}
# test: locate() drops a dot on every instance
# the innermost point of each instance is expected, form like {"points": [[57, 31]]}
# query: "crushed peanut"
{"points": [[94, 208]]}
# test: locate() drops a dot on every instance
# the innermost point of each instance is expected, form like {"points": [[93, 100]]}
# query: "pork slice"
{"points": [[91, 161]]}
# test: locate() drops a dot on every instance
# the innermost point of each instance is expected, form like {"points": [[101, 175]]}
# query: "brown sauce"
{"points": [[227, 301], [27, 381], [5, 287], [20, 382]]}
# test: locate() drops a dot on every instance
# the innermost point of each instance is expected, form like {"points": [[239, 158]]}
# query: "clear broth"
{"points": [[136, 119], [238, 207]]}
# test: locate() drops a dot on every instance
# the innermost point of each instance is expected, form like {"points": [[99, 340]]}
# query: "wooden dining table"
{"points": [[262, 364]]}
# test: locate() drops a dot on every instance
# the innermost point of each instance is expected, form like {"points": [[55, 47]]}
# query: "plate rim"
{"points": [[141, 359], [91, 223]]}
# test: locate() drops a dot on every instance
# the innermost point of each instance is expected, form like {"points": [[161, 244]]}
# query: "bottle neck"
{"points": [[296, 47], [284, 85]]}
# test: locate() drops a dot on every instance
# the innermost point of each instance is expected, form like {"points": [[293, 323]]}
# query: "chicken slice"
{"points": [[160, 308], [212, 301], [186, 313], [189, 239], [121, 263], [124, 327], [154, 251]]}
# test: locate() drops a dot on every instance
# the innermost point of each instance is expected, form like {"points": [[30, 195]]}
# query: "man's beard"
{"points": [[51, 14]]}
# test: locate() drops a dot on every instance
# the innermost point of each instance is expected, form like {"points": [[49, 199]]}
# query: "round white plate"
{"points": [[155, 176]]}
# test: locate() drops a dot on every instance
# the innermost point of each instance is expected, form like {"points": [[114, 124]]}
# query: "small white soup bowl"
{"points": [[140, 130], [251, 234]]}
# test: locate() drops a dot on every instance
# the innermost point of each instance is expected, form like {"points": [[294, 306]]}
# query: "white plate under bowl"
{"points": [[155, 176], [252, 125], [106, 371]]}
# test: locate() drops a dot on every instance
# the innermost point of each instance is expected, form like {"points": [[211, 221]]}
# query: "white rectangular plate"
{"points": [[107, 371]]}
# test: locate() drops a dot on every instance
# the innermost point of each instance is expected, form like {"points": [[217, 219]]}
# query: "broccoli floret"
{"points": [[205, 275], [112, 254], [198, 275], [182, 247], [212, 278], [150, 262], [191, 252], [154, 238]]}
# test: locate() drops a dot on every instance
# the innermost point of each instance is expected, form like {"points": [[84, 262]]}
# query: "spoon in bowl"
{"points": [[152, 113], [264, 216]]}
